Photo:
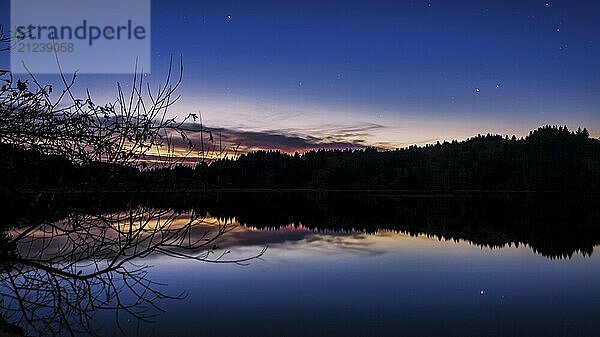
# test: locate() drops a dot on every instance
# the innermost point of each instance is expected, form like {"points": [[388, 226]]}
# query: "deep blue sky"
{"points": [[382, 71]]}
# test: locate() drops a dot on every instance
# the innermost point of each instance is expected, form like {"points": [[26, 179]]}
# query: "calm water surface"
{"points": [[371, 266], [388, 284]]}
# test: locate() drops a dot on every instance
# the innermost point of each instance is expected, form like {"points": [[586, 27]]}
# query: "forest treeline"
{"points": [[550, 158]]}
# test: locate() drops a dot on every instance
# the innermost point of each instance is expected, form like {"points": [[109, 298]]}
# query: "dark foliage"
{"points": [[551, 158]]}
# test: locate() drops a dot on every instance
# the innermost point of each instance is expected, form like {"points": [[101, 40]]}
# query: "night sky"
{"points": [[297, 75]]}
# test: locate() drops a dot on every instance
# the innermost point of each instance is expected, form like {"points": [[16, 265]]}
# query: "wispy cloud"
{"points": [[290, 140]]}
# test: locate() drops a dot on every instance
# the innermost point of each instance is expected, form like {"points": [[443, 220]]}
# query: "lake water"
{"points": [[384, 285], [330, 271]]}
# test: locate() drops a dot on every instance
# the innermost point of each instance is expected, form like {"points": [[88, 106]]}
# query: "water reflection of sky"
{"points": [[317, 284]]}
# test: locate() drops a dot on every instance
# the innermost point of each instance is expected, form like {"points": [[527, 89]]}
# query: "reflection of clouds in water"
{"points": [[359, 243], [301, 238], [239, 238], [242, 236]]}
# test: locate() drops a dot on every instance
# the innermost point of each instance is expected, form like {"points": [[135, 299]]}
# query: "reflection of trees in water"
{"points": [[553, 225], [56, 275]]}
